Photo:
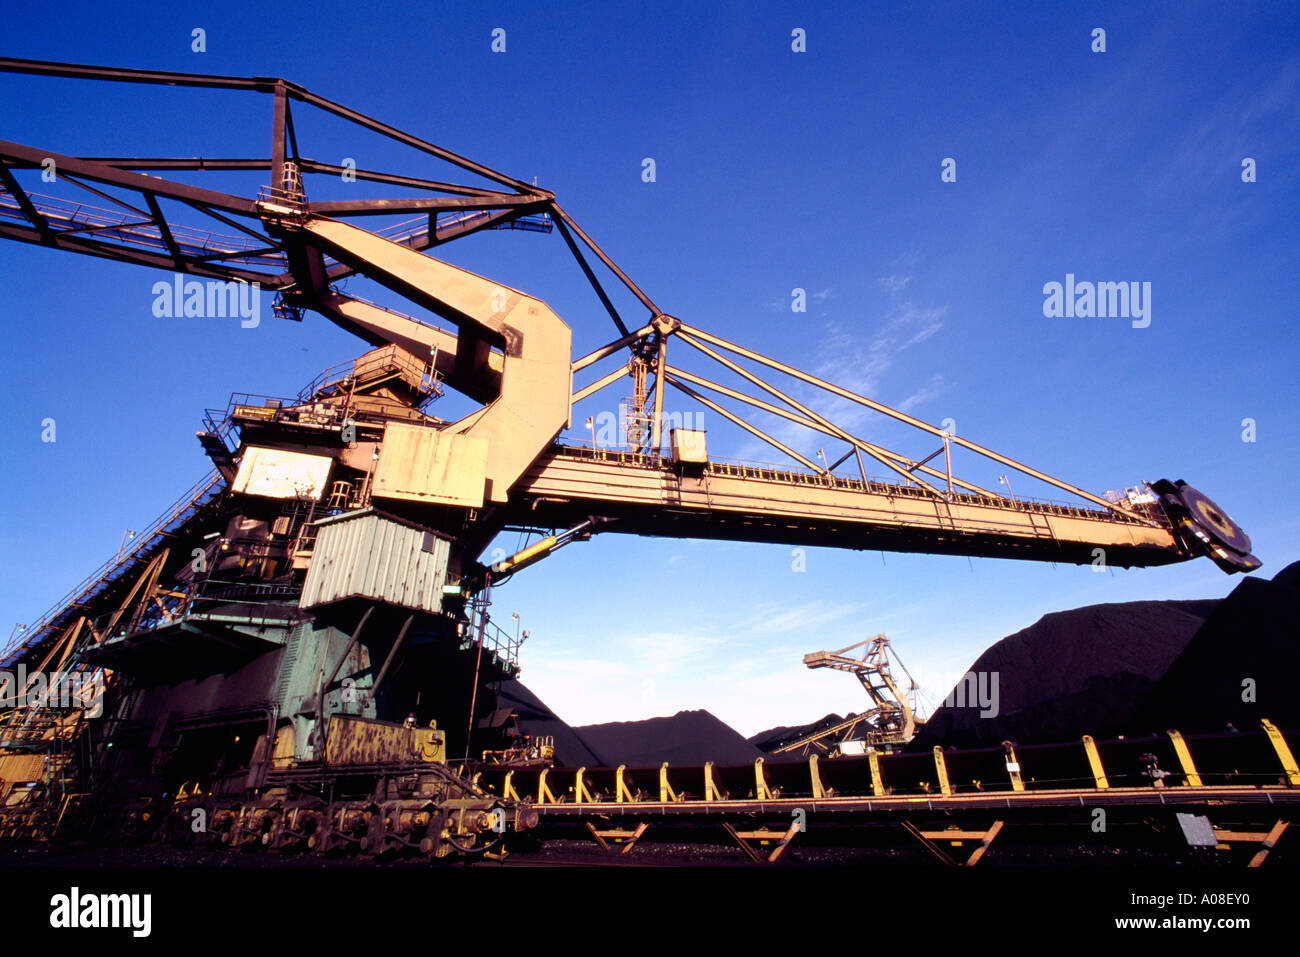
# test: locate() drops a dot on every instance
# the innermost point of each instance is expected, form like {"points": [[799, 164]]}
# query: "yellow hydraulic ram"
{"points": [[539, 550]]}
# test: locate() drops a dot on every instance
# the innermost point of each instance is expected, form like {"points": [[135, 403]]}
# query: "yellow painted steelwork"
{"points": [[712, 792], [593, 482], [621, 791], [1270, 841], [877, 785], [1266, 839], [764, 835], [955, 836], [1185, 759], [1013, 767], [526, 556], [666, 792], [533, 402], [544, 795], [761, 790], [619, 835], [1094, 762], [1283, 752], [985, 841], [356, 740], [581, 793], [814, 773], [508, 788], [941, 770]]}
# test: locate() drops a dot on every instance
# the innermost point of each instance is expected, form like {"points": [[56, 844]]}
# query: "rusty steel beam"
{"points": [[612, 266], [81, 71], [305, 96], [164, 230], [277, 138], [123, 254], [115, 200], [372, 207], [591, 276], [268, 85], [39, 223], [251, 164], [392, 179], [27, 157], [429, 240]]}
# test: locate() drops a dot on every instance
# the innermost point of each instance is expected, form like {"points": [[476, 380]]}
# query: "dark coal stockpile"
{"points": [[771, 739], [688, 737], [1084, 671], [1242, 665], [537, 720], [1135, 668]]}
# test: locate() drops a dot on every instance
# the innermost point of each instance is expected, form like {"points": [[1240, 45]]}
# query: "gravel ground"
{"points": [[646, 854]]}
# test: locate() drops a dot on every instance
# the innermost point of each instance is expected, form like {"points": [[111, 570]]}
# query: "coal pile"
{"points": [[688, 737], [1240, 666], [773, 738], [1136, 668], [1085, 671], [537, 720]]}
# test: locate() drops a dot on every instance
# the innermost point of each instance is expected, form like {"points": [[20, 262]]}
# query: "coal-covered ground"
{"points": [[1008, 851]]}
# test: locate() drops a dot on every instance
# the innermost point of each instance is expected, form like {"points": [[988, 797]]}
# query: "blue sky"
{"points": [[775, 170]]}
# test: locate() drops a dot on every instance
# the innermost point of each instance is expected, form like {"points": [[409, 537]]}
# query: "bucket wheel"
{"points": [[1206, 527]]}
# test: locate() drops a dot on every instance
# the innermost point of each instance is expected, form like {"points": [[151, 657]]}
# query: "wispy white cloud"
{"points": [[859, 365], [779, 619], [930, 390], [906, 260], [857, 362]]}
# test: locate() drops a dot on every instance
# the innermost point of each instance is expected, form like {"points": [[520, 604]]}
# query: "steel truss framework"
{"points": [[150, 220], [890, 720], [146, 236]]}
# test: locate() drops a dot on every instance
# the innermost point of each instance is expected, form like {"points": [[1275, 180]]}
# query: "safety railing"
{"points": [[410, 229], [199, 495], [86, 218], [742, 469], [248, 600], [502, 645]]}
